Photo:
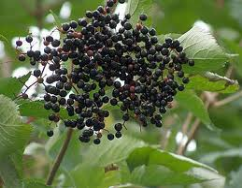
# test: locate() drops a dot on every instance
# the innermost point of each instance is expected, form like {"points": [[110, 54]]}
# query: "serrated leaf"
{"points": [[13, 134], [202, 47], [9, 173], [190, 101], [36, 109], [213, 82], [155, 175], [11, 87], [151, 156]]}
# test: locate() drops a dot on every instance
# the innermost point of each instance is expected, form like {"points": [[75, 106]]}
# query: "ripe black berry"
{"points": [[97, 141], [65, 26], [125, 117], [29, 39], [127, 26], [121, 1], [118, 126], [191, 63], [49, 38], [55, 43], [21, 57], [118, 134], [19, 43], [143, 17], [37, 73], [185, 80], [110, 136], [50, 133]]}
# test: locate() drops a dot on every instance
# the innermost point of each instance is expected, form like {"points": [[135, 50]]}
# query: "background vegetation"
{"points": [[204, 124]]}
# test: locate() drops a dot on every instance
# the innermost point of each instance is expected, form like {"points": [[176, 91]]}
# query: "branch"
{"points": [[183, 147], [59, 158], [228, 99], [194, 128], [186, 123], [210, 100]]}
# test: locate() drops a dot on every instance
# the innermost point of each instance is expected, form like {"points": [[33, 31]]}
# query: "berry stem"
{"points": [[59, 158]]}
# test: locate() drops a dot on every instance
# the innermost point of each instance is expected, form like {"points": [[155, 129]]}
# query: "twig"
{"points": [[59, 158], [228, 99], [186, 123], [185, 126], [6, 67], [183, 147], [229, 72], [194, 128]]}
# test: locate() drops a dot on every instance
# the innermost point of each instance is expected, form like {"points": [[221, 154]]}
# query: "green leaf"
{"points": [[108, 152], [56, 18], [236, 180], [190, 101], [132, 6], [155, 175], [79, 8], [24, 19], [11, 87], [201, 46], [137, 7], [213, 82], [36, 109], [234, 47], [73, 154], [151, 156], [147, 163], [9, 173], [13, 135], [4, 39], [214, 180], [213, 156], [178, 16], [88, 176], [34, 184]]}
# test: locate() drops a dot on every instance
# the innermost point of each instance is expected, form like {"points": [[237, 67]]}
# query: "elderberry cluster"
{"points": [[101, 53]]}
